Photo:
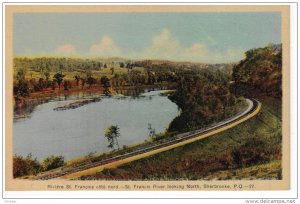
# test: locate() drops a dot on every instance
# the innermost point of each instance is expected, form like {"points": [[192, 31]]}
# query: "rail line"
{"points": [[253, 108]]}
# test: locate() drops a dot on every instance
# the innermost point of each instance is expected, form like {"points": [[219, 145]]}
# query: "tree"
{"points": [[90, 81], [116, 80], [77, 79], [112, 70], [58, 77], [23, 166], [129, 66], [47, 83], [52, 162], [105, 84], [21, 87], [66, 85], [151, 131], [41, 84], [112, 133], [122, 65]]}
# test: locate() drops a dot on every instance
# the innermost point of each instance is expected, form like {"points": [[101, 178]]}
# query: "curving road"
{"points": [[71, 173]]}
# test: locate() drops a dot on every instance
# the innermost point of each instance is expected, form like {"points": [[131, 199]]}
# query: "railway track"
{"points": [[253, 105]]}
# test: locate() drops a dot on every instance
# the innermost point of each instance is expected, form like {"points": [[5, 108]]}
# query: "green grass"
{"points": [[212, 158], [271, 170]]}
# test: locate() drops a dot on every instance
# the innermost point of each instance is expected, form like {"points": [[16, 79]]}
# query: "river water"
{"points": [[77, 132]]}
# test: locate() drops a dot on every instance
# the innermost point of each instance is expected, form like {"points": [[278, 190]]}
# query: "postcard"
{"points": [[147, 97]]}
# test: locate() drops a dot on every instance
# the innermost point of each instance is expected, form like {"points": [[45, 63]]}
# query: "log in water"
{"points": [[77, 104]]}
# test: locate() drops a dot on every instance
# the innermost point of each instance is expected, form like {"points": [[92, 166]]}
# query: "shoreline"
{"points": [[40, 94], [20, 103]]}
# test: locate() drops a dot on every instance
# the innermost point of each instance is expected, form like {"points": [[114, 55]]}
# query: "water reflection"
{"points": [[24, 108], [76, 132]]}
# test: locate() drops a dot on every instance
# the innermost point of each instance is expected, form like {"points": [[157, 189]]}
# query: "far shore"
{"points": [[19, 102], [93, 89]]}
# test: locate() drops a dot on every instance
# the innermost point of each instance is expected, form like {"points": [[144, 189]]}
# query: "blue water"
{"points": [[77, 132]]}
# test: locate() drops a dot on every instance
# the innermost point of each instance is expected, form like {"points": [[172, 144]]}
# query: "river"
{"points": [[77, 132]]}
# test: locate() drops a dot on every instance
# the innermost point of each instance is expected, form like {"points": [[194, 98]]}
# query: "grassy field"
{"points": [[251, 150]]}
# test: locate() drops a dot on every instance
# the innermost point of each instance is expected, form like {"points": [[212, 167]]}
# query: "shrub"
{"points": [[52, 162], [23, 166], [252, 152], [21, 89]]}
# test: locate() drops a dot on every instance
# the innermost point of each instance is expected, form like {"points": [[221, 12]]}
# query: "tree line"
{"points": [[48, 80]]}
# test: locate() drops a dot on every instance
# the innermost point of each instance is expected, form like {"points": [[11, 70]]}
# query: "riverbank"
{"points": [[92, 89], [25, 105]]}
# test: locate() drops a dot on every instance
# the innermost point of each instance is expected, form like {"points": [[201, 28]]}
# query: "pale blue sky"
{"points": [[203, 37]]}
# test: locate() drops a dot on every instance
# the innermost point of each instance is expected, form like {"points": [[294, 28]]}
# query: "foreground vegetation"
{"points": [[23, 166]]}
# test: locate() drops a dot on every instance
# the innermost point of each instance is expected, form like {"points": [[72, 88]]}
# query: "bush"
{"points": [[23, 166], [52, 162], [252, 152], [21, 89]]}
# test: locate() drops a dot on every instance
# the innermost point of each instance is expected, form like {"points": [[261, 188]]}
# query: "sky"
{"points": [[197, 37]]}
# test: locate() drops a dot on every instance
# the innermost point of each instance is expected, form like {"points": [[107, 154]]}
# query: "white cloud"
{"points": [[165, 46], [197, 49], [105, 48], [65, 50], [201, 53]]}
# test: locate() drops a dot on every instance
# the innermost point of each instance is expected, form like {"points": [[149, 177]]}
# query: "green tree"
{"points": [[21, 87], [90, 81], [112, 133], [105, 84], [58, 77], [151, 131], [122, 65], [52, 162]]}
